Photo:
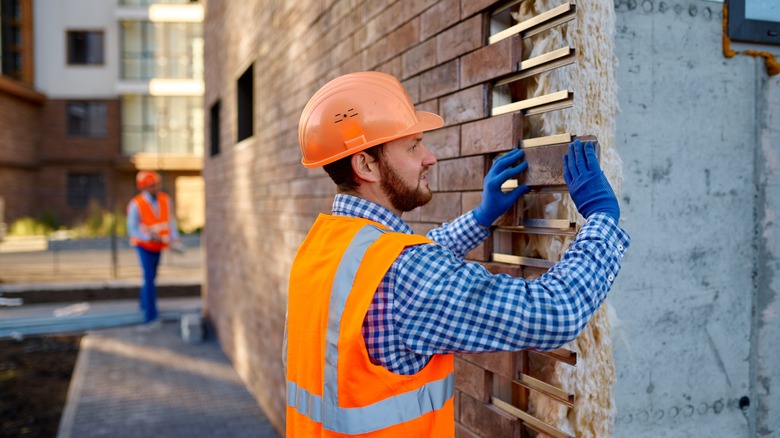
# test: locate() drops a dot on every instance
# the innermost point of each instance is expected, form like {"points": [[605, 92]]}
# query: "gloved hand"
{"points": [[494, 201], [588, 186]]}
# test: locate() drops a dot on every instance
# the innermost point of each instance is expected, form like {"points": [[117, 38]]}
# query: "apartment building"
{"points": [[123, 87], [20, 110]]}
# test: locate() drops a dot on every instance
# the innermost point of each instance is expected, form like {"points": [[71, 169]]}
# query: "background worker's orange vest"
{"points": [[333, 389], [153, 222]]}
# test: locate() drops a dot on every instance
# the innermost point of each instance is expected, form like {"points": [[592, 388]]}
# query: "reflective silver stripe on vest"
{"points": [[384, 413]]}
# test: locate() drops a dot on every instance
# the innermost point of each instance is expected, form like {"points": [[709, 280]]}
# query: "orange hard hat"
{"points": [[355, 112], [146, 178]]}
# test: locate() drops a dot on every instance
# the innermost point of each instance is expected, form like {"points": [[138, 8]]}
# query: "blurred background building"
{"points": [[93, 91]]}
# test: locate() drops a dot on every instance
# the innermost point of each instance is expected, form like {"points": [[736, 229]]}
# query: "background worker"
{"points": [[151, 225], [375, 312]]}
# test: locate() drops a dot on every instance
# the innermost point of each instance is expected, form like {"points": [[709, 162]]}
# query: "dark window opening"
{"points": [[85, 187], [246, 104], [754, 21], [85, 47], [214, 128], [86, 119], [11, 38]]}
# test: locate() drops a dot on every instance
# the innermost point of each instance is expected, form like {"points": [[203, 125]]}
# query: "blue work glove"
{"points": [[588, 186], [494, 201]]}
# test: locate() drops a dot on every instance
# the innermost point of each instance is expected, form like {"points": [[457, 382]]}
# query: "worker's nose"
{"points": [[428, 158]]}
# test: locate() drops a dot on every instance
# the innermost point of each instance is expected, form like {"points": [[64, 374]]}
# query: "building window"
{"points": [[11, 38], [86, 119], [161, 50], [246, 104], [754, 21], [84, 188], [85, 47], [214, 128], [162, 125]]}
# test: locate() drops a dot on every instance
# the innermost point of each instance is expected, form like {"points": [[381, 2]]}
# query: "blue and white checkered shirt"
{"points": [[432, 302]]}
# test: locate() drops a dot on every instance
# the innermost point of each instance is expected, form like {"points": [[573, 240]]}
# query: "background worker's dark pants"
{"points": [[149, 261]]}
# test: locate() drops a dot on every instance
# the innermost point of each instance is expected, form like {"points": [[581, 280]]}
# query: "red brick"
{"points": [[442, 15], [391, 67], [470, 200], [473, 380], [419, 58], [470, 7], [432, 106], [464, 106], [444, 142], [403, 38], [375, 54], [444, 207], [491, 61], [412, 87], [494, 134], [482, 253], [460, 39], [503, 363], [462, 432], [440, 80], [485, 418], [462, 173]]}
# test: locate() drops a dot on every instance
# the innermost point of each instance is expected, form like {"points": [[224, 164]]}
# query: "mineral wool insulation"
{"points": [[592, 80]]}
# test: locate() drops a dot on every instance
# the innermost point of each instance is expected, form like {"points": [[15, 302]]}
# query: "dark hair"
{"points": [[341, 171]]}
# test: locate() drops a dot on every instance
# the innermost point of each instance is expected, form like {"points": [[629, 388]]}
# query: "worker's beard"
{"points": [[403, 196]]}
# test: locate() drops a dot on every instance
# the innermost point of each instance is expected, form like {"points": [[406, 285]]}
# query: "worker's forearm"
{"points": [[461, 235], [455, 306]]}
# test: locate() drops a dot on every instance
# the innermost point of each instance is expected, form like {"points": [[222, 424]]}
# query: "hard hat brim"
{"points": [[426, 121]]}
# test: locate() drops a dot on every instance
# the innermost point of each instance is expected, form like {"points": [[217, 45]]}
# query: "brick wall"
{"points": [[260, 201], [19, 141]]}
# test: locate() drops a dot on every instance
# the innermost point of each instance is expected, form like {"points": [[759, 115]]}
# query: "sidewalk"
{"points": [[142, 381], [130, 380]]}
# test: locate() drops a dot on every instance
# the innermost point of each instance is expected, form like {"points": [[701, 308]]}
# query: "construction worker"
{"points": [[376, 312], [151, 225]]}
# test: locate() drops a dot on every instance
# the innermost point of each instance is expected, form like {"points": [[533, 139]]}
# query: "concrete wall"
{"points": [[699, 139], [698, 136]]}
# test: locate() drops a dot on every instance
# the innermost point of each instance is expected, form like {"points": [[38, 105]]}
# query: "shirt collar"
{"points": [[353, 206]]}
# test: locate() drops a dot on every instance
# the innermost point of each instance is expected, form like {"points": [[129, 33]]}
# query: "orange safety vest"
{"points": [[150, 221], [333, 389]]}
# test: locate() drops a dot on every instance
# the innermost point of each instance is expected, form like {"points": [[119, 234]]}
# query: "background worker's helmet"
{"points": [[146, 178], [355, 112]]}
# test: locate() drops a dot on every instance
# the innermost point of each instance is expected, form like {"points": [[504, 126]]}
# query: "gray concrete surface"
{"points": [[696, 349]]}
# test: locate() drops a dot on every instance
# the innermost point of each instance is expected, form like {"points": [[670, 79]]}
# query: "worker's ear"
{"points": [[365, 167]]}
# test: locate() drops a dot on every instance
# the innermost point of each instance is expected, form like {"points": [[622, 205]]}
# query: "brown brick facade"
{"points": [[20, 115], [260, 201]]}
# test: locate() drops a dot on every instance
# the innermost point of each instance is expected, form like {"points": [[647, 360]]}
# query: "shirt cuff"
{"points": [[602, 225]]}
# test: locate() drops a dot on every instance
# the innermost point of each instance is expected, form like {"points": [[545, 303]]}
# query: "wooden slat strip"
{"points": [[561, 224], [567, 103], [531, 421], [546, 141], [540, 20], [560, 354], [523, 261], [540, 64], [551, 391], [526, 104]]}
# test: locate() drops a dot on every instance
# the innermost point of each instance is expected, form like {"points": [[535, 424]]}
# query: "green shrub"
{"points": [[28, 226], [99, 223]]}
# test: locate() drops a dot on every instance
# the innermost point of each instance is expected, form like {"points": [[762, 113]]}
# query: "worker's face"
{"points": [[404, 170]]}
